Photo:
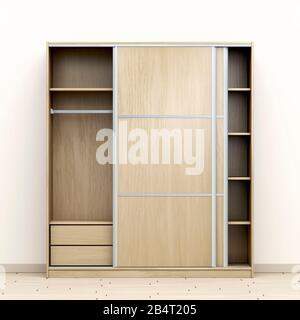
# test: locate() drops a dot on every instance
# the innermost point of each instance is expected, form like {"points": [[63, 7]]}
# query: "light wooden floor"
{"points": [[36, 286]]}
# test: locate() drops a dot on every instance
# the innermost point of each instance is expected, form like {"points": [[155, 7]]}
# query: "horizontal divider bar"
{"points": [[81, 245], [80, 223], [239, 134], [81, 111], [175, 116], [240, 89], [239, 178], [239, 223], [168, 194], [81, 89]]}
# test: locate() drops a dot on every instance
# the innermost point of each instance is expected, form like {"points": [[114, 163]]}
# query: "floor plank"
{"points": [[36, 286]]}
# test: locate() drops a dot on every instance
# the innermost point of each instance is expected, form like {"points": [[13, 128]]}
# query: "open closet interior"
{"points": [[80, 100]]}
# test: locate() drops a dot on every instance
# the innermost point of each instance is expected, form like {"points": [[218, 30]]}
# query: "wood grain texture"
{"points": [[220, 156], [81, 67], [81, 235], [238, 200], [164, 80], [238, 112], [239, 68], [238, 244], [167, 178], [238, 156], [153, 273], [81, 100], [81, 255], [164, 232], [80, 89], [80, 222], [220, 81], [220, 231], [82, 188]]}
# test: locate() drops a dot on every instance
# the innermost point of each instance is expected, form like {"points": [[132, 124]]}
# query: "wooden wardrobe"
{"points": [[145, 219]]}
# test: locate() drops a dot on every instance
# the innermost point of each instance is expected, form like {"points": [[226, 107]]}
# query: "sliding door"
{"points": [[168, 168]]}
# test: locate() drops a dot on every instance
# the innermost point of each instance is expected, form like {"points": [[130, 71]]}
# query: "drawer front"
{"points": [[81, 255], [81, 235]]}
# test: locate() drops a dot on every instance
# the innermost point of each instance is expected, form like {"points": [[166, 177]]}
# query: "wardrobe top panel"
{"points": [[112, 44]]}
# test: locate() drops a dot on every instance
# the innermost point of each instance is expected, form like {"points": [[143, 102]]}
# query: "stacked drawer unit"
{"points": [[80, 245]]}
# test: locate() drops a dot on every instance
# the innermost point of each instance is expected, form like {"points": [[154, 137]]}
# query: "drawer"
{"points": [[81, 255], [81, 235]]}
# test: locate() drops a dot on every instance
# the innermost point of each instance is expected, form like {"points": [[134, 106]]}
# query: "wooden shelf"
{"points": [[239, 265], [239, 223], [239, 89], [57, 222], [239, 178], [81, 111], [239, 133], [81, 89]]}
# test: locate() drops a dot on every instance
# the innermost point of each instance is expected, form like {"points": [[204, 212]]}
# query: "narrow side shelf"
{"points": [[77, 111], [240, 89], [239, 223], [239, 157], [239, 134], [82, 222]]}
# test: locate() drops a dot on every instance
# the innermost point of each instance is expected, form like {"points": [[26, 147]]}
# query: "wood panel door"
{"points": [[164, 231], [164, 213]]}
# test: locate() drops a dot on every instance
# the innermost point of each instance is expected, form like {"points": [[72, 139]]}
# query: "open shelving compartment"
{"points": [[80, 103], [239, 156]]}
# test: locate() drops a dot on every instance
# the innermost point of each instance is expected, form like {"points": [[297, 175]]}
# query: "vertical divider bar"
{"points": [[115, 157], [214, 157], [225, 213]]}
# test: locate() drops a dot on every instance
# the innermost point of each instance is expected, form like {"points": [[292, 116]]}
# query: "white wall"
{"points": [[274, 26]]}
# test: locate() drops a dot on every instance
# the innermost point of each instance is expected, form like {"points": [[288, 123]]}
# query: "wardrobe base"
{"points": [[95, 272]]}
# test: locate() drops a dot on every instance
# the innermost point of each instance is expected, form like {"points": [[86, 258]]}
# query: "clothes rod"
{"points": [[81, 111]]}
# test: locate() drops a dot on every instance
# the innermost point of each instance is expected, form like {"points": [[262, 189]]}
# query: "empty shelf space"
{"points": [[238, 244], [239, 66], [81, 100], [238, 156], [239, 134], [239, 223], [238, 200], [238, 112], [81, 69], [57, 222], [81, 89], [76, 111]]}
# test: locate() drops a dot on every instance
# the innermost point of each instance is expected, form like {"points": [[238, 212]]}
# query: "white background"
{"points": [[274, 26]]}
